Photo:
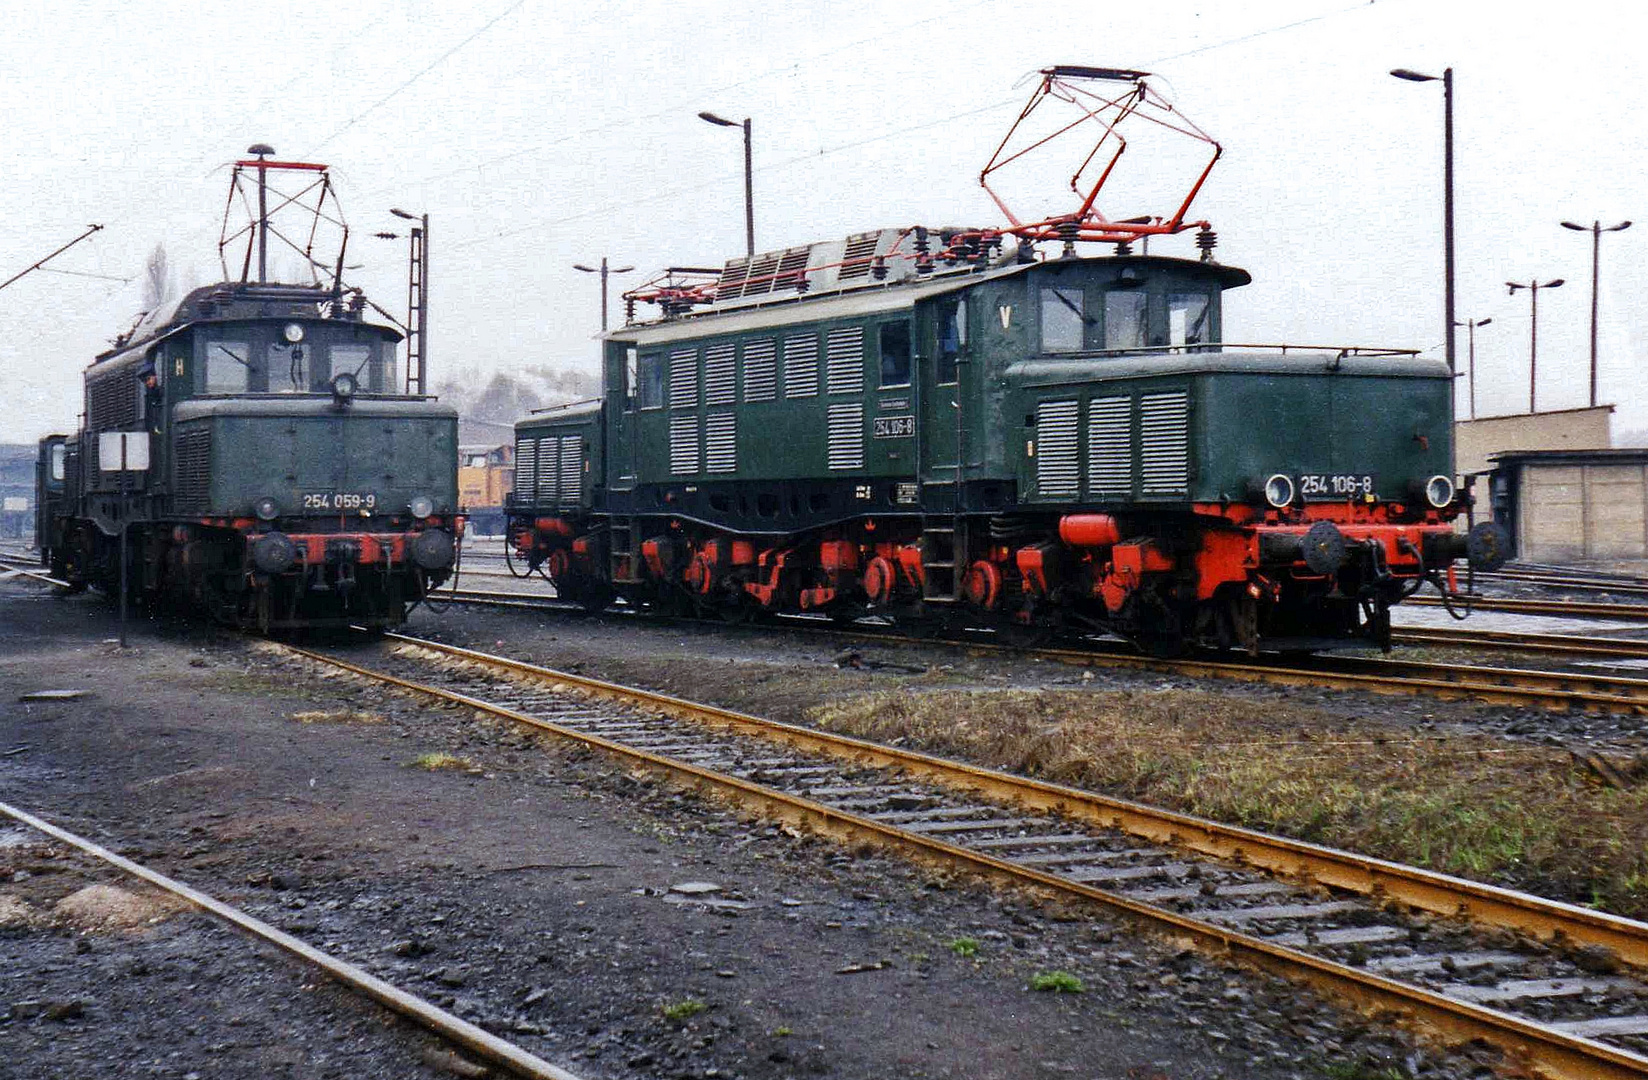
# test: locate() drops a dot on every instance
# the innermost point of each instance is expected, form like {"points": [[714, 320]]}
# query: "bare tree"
{"points": [[157, 278]]}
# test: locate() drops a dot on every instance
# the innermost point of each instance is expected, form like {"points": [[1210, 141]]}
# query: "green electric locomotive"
{"points": [[251, 450], [925, 423]]}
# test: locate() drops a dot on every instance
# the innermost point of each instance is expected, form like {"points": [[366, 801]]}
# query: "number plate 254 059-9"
{"points": [[1335, 485], [340, 500]]}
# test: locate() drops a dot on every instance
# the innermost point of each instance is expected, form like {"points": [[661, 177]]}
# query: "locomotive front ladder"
{"points": [[624, 550]]}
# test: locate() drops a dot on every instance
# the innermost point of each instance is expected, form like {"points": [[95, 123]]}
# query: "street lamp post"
{"points": [[749, 193], [1471, 325], [417, 301], [1596, 230], [603, 270], [1447, 190], [1533, 288]]}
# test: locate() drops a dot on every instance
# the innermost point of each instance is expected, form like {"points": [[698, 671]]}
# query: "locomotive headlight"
{"points": [[266, 509], [293, 332], [1279, 490], [422, 507], [344, 386], [1439, 491]]}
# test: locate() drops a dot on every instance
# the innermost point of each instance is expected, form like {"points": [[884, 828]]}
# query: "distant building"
{"points": [[1569, 505]]}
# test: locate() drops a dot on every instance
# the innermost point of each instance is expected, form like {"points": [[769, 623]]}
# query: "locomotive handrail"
{"points": [[1216, 346]]}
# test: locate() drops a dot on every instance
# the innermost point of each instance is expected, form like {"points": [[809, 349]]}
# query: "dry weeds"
{"points": [[1479, 807]]}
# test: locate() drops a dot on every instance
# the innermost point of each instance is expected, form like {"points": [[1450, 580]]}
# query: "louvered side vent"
{"points": [[572, 468], [192, 480], [792, 268], [683, 444], [844, 360], [721, 443], [760, 370], [1057, 474], [1164, 443], [1110, 446], [719, 373], [846, 435], [549, 455], [855, 261], [801, 366], [112, 401], [526, 470], [683, 377]]}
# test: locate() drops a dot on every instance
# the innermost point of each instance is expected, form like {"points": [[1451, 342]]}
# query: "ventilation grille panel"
{"points": [[192, 480], [572, 468], [526, 469], [683, 376], [855, 260], [547, 489], [801, 366], [1110, 446], [112, 401], [1164, 443], [844, 360], [760, 370], [1057, 471], [683, 444], [719, 374], [721, 443], [846, 435]]}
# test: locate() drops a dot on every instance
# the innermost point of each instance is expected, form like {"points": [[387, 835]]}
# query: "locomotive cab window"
{"points": [[1124, 319], [631, 374], [895, 354], [288, 368], [59, 455], [952, 338], [1188, 316], [1062, 319], [228, 367], [651, 377], [357, 361]]}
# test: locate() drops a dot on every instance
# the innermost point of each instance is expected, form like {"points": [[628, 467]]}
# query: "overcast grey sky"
{"points": [[538, 134]]}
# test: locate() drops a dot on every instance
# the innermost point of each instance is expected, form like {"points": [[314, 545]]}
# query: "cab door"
{"points": [[943, 356]]}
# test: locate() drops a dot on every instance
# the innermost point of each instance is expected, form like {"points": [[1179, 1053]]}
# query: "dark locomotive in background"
{"points": [[926, 423], [290, 480]]}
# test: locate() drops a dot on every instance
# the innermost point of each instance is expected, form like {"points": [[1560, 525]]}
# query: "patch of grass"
{"points": [[1057, 982], [685, 1009], [438, 761], [965, 946], [343, 716], [1474, 805]]}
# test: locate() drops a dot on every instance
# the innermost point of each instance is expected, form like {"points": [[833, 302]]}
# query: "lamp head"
{"points": [[1412, 76], [398, 212], [1576, 228], [710, 117]]}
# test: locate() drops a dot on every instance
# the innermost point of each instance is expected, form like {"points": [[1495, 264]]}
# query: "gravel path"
{"points": [[605, 922]]}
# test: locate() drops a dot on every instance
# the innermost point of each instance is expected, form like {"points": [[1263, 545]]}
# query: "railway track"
{"points": [[1563, 988], [1566, 690], [460, 1033]]}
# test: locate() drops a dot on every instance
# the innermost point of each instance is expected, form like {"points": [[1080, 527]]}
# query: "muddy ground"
{"points": [[538, 892]]}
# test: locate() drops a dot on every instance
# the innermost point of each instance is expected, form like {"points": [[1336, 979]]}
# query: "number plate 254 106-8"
{"points": [[340, 500], [1335, 485]]}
